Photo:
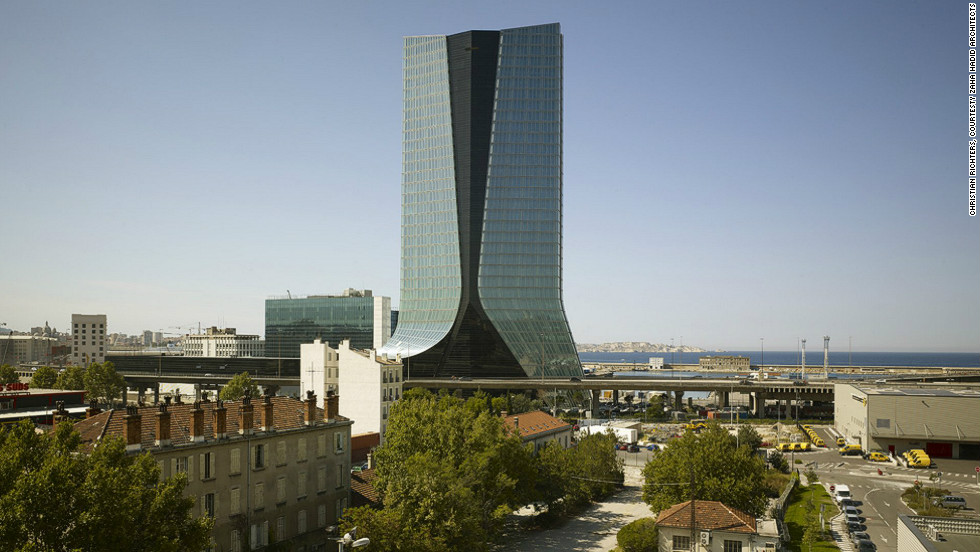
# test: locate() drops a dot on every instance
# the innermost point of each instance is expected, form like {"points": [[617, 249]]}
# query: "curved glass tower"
{"points": [[481, 207]]}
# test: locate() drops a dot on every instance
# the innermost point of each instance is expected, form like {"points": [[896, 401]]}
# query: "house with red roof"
{"points": [[539, 428], [716, 528]]}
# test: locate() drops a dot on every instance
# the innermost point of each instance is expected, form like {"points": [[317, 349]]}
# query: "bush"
{"points": [[638, 536]]}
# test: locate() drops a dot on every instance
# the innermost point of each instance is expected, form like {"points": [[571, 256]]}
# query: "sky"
{"points": [[732, 171]]}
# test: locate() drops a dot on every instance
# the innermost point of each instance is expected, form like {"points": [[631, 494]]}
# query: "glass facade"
{"points": [[290, 322], [481, 206]]}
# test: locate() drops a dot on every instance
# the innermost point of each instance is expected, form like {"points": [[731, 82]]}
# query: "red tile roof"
{"points": [[531, 424], [287, 414], [708, 514], [363, 492]]}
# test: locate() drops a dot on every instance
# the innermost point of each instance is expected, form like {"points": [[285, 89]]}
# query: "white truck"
{"points": [[623, 435]]}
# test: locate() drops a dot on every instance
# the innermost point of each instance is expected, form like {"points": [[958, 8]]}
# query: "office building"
{"points": [[88, 343], [356, 315], [481, 207], [723, 363], [369, 385], [224, 343], [269, 470]]}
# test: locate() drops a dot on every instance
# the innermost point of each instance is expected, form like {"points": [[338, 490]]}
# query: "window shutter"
{"points": [[214, 472], [203, 471], [173, 467], [204, 509], [190, 468]]}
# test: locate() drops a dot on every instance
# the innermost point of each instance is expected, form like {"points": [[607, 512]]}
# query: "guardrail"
{"points": [[778, 510]]}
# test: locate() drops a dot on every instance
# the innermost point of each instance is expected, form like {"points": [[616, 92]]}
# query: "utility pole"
{"points": [[693, 507]]}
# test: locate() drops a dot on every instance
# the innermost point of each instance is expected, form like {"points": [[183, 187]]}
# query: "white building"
{"points": [[317, 368], [369, 385], [24, 349], [225, 343], [88, 343]]}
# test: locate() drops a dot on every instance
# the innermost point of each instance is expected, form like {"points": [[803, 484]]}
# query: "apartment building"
{"points": [[272, 470], [88, 343]]}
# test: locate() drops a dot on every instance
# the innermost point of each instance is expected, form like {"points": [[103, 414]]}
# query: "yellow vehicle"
{"points": [[785, 447], [841, 441], [806, 427], [850, 450], [696, 425], [818, 442], [917, 458], [801, 447], [877, 457]]}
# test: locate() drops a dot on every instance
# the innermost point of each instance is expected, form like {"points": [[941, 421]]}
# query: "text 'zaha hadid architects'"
{"points": [[481, 207]]}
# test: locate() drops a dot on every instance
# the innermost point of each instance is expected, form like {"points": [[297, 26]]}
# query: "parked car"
{"points": [[852, 511], [864, 545], [859, 536], [877, 457], [841, 441], [633, 448], [951, 501], [853, 526], [852, 518], [850, 450]]}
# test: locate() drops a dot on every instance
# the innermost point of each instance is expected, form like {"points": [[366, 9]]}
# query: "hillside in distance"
{"points": [[635, 347]]}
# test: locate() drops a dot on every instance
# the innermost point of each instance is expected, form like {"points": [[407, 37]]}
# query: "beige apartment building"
{"points": [[276, 469]]}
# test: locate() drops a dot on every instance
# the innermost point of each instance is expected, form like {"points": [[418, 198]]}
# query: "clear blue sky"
{"points": [[732, 170]]}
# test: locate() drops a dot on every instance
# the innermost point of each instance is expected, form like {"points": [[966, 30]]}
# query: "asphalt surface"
{"points": [[879, 496]]}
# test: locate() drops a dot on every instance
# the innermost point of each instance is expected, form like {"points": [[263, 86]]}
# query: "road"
{"points": [[879, 496]]}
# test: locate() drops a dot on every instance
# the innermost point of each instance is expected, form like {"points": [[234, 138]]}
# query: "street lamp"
{"points": [[350, 539]]}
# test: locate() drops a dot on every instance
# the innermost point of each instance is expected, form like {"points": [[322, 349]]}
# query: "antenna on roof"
{"points": [[290, 295]]}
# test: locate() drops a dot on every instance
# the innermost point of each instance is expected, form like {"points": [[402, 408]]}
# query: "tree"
{"points": [[778, 461], [573, 477], [44, 377], [103, 383], [721, 471], [72, 378], [451, 472], [749, 437], [8, 374], [237, 386], [638, 536], [54, 499]]}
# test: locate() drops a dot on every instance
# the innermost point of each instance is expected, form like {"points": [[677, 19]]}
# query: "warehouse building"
{"points": [[943, 422]]}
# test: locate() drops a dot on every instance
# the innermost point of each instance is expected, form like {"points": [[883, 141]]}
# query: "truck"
{"points": [[623, 435]]}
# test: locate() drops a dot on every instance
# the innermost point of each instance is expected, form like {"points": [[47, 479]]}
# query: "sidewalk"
{"points": [[594, 530]]}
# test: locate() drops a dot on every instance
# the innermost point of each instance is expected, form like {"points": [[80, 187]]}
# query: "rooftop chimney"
{"points": [[309, 408], [370, 461], [132, 428], [197, 423], [331, 405], [93, 409], [60, 414], [267, 413], [246, 417], [163, 427], [220, 421]]}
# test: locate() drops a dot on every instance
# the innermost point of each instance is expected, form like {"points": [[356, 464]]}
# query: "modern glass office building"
{"points": [[481, 207], [356, 315]]}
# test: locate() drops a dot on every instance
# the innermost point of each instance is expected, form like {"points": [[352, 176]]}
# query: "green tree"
{"points": [[721, 471], [44, 377], [103, 383], [570, 478], [71, 378], [8, 374], [237, 386], [54, 499], [450, 471], [778, 461], [749, 437], [638, 536]]}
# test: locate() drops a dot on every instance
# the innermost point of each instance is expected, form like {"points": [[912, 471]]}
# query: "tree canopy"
{"points": [[721, 471], [450, 470], [237, 386], [44, 378], [54, 499], [748, 436], [8, 374], [103, 383], [72, 378], [638, 536]]}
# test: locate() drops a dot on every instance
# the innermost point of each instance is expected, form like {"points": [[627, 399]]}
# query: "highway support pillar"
{"points": [[197, 392], [678, 400], [758, 404], [723, 399], [615, 397], [156, 393], [596, 393]]}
